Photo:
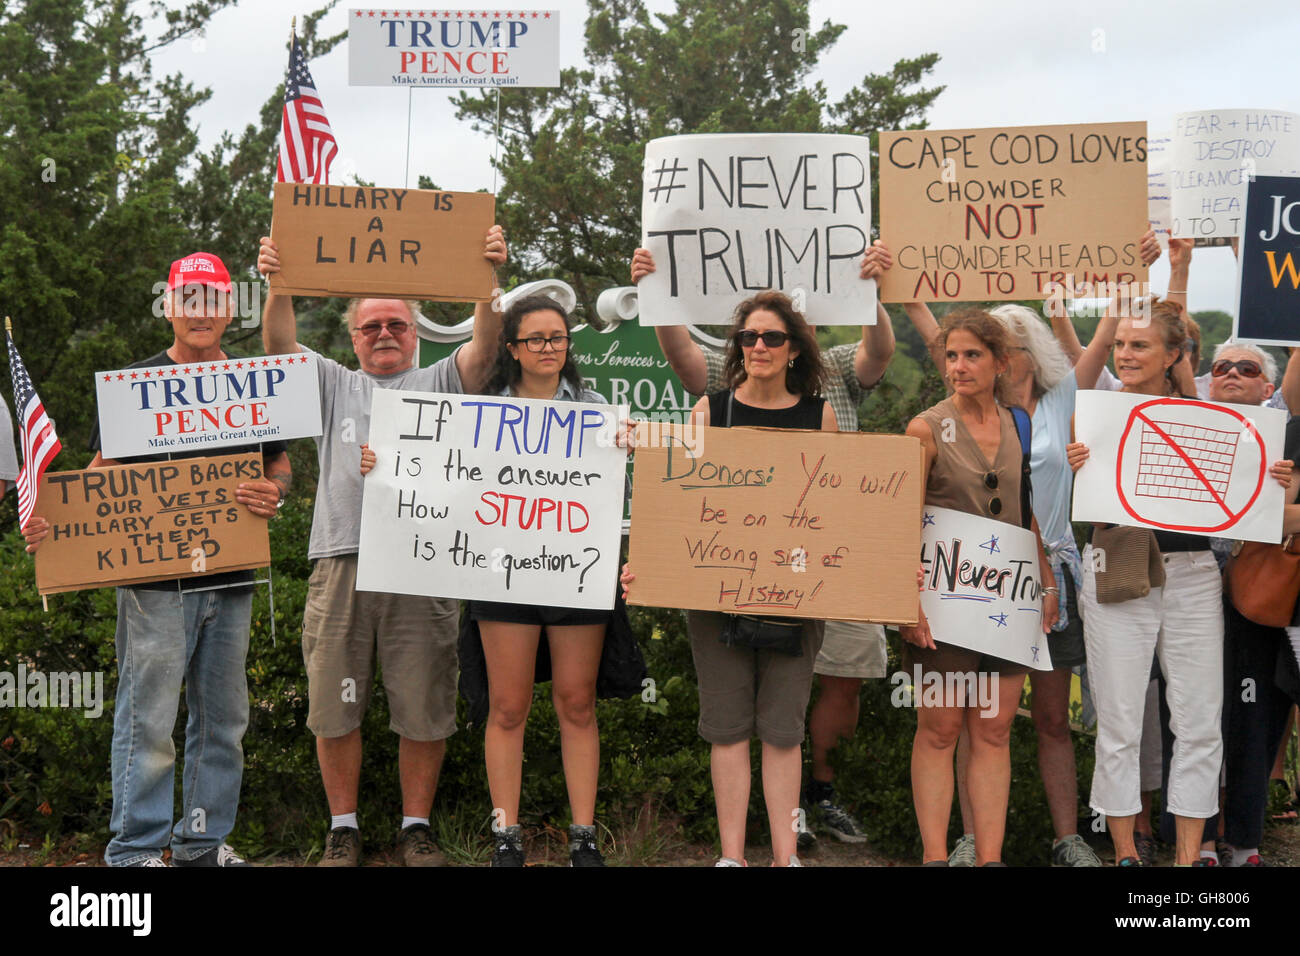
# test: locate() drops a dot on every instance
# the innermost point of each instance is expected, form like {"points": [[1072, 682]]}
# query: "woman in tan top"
{"points": [[973, 464]]}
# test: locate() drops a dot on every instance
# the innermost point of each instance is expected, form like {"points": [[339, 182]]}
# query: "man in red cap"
{"points": [[191, 630]]}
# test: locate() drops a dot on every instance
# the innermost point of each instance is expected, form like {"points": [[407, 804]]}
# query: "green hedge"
{"points": [[54, 763]]}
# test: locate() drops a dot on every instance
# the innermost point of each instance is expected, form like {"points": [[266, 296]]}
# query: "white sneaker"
{"points": [[728, 861]]}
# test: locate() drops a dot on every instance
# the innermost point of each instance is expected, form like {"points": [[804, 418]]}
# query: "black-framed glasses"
{"points": [[1249, 368], [991, 483], [372, 329], [535, 343], [773, 338]]}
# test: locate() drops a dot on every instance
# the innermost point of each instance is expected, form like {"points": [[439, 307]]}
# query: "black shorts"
{"points": [[1067, 647], [535, 614]]}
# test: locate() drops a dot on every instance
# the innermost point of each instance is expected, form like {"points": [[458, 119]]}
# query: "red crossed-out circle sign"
{"points": [[1205, 474]]}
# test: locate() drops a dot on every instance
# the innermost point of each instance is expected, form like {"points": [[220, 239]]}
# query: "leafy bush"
{"points": [[54, 763]]}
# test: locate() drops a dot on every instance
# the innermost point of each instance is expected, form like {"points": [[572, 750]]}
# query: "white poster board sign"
{"points": [[726, 216], [981, 589], [1211, 158], [1179, 465], [1159, 204], [185, 407], [493, 498], [462, 48]]}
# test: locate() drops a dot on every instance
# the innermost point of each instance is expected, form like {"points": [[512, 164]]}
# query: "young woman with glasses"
{"points": [[973, 464], [535, 361]]}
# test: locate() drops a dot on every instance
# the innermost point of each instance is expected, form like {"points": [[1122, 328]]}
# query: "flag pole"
{"points": [[410, 96]]}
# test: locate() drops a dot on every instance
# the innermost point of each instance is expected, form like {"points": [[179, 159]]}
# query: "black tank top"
{"points": [[806, 413]]}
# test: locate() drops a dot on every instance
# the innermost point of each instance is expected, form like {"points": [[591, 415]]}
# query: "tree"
{"points": [[102, 185], [571, 156]]}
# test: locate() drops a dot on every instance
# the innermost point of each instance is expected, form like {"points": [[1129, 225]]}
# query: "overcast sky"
{"points": [[1004, 63]]}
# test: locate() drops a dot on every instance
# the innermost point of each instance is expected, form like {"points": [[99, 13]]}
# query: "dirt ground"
{"points": [[1281, 847]]}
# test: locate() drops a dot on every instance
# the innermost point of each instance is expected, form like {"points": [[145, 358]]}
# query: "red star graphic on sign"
{"points": [[277, 361], [175, 372], [187, 370], [509, 15], [146, 374], [265, 363], [226, 367], [372, 13], [359, 13], [212, 368], [120, 376], [134, 376], [108, 378]]}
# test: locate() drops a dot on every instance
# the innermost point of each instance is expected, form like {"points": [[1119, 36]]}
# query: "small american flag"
{"points": [[307, 145], [36, 435]]}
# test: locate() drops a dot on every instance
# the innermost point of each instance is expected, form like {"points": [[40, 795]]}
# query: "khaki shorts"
{"points": [[746, 693], [416, 638], [852, 649]]}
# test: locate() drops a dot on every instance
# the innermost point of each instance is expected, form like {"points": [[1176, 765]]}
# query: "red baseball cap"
{"points": [[199, 268]]}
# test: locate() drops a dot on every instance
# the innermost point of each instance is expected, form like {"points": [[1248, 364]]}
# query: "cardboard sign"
{"points": [[128, 524], [1000, 214], [1268, 273], [235, 401], [727, 216], [439, 48], [982, 589], [1178, 464], [493, 498], [386, 243], [1213, 156], [776, 522]]}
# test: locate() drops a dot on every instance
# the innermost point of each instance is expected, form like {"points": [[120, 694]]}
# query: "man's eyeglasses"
{"points": [[1247, 367], [773, 339], [372, 329], [535, 343]]}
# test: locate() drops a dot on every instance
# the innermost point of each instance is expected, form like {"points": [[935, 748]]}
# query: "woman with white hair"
{"points": [[1041, 380]]}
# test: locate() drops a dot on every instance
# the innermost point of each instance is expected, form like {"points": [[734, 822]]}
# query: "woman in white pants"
{"points": [[1181, 622]]}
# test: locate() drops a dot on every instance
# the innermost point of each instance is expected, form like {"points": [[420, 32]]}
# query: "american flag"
{"points": [[36, 435], [307, 145]]}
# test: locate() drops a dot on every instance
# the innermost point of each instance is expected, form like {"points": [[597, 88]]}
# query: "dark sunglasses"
{"points": [[991, 483], [371, 329], [1247, 367], [773, 339]]}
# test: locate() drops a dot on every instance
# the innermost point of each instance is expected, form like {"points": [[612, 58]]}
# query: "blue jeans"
{"points": [[164, 638]]}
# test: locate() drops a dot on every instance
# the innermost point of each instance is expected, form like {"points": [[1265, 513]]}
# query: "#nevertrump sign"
{"points": [[981, 588], [183, 407]]}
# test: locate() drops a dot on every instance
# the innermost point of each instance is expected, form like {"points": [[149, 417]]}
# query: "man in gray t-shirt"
{"points": [[343, 629], [8, 456]]}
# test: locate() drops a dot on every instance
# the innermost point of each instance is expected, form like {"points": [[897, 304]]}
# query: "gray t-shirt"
{"points": [[8, 453], [345, 423]]}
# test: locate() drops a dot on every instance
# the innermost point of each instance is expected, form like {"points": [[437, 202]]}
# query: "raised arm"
{"points": [[877, 345], [475, 359], [684, 356], [1180, 264], [279, 324]]}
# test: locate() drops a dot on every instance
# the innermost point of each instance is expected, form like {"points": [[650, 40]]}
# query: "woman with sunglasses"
{"points": [[972, 463], [534, 361], [775, 372], [1180, 621]]}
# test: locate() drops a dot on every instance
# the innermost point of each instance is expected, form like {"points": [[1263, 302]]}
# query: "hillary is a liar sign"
{"points": [[187, 406]]}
